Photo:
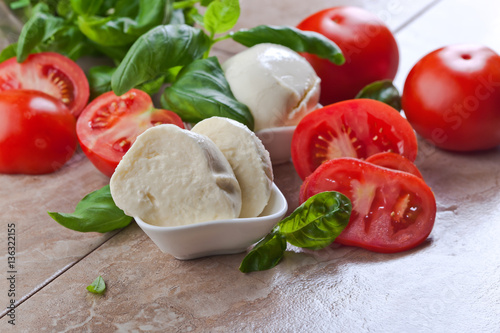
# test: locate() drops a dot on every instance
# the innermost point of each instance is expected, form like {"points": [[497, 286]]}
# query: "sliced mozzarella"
{"points": [[171, 176], [277, 84], [248, 158]]}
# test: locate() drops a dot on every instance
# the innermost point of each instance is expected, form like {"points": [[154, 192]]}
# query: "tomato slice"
{"points": [[354, 128], [394, 161], [392, 211], [51, 73], [109, 125]]}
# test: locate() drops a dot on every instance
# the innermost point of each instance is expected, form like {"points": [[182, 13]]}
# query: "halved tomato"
{"points": [[37, 132], [51, 73], [354, 128], [394, 161], [392, 211], [109, 125]]}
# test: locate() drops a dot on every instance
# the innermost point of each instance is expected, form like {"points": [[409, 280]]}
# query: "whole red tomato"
{"points": [[452, 97], [369, 47], [37, 132]]}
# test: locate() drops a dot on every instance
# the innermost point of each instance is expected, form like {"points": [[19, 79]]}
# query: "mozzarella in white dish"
{"points": [[171, 177], [277, 84], [248, 158]]}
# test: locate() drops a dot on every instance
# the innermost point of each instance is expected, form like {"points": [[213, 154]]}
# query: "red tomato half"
{"points": [[392, 211], [50, 73], [37, 132], [394, 161], [109, 125], [369, 47], [355, 128], [452, 98]]}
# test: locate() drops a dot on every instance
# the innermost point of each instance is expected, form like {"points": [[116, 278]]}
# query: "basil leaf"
{"points": [[100, 80], [96, 212], [201, 91], [86, 7], [98, 286], [8, 52], [266, 254], [293, 38], [121, 31], [156, 51], [205, 3], [383, 91], [39, 28], [318, 221], [221, 15], [19, 4]]}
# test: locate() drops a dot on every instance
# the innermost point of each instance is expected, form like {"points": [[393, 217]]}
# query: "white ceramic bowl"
{"points": [[278, 142], [217, 237]]}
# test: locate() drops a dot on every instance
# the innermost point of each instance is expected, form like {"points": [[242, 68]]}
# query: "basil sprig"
{"points": [[383, 91], [96, 212], [313, 225], [201, 91]]}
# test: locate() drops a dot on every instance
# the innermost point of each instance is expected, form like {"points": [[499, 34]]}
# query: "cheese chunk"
{"points": [[248, 158], [277, 84], [171, 176]]}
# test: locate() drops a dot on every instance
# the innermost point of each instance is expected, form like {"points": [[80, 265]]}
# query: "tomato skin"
{"points": [[109, 125], [370, 50], [394, 161], [393, 211], [37, 133], [452, 97], [354, 128], [51, 73]]}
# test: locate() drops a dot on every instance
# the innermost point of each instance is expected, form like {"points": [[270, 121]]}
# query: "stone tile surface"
{"points": [[449, 284]]}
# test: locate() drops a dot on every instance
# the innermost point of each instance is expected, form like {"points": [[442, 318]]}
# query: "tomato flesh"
{"points": [[355, 128], [37, 132], [392, 211], [50, 73], [109, 125]]}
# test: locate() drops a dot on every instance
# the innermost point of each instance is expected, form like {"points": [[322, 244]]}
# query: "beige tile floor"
{"points": [[450, 284]]}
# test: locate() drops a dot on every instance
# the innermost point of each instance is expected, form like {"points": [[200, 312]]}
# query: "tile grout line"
{"points": [[416, 16], [54, 276]]}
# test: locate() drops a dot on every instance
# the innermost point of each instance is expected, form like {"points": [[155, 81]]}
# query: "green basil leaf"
{"points": [[19, 4], [100, 80], [205, 3], [318, 221], [121, 31], [64, 9], [70, 42], [86, 7], [221, 15], [96, 212], [8, 52], [39, 28], [98, 286], [383, 91], [201, 91], [266, 254], [293, 38], [156, 51]]}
